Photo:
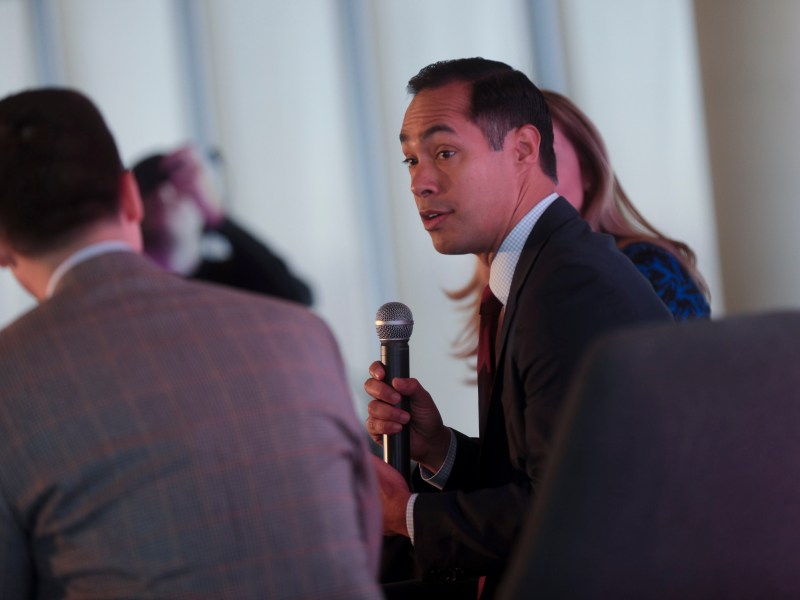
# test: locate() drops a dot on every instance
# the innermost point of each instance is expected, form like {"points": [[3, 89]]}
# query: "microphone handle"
{"points": [[397, 446]]}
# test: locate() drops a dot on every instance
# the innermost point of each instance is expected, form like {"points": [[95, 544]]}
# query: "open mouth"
{"points": [[431, 218]]}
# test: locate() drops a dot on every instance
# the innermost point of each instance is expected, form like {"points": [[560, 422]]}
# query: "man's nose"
{"points": [[424, 181]]}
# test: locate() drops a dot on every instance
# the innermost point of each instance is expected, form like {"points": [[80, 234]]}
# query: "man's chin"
{"points": [[449, 247]]}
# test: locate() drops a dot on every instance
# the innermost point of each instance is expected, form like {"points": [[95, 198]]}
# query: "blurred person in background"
{"points": [[186, 231]]}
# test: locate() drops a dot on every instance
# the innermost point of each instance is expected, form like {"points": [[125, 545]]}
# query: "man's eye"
{"points": [[410, 161], [445, 154]]}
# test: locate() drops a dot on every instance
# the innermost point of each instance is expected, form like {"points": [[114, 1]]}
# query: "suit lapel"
{"points": [[494, 444], [559, 212]]}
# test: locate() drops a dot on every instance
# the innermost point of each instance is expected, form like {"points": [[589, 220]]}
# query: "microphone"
{"points": [[393, 323]]}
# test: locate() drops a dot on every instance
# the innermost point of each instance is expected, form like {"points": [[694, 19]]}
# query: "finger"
{"points": [[377, 409], [407, 386], [377, 370], [377, 428], [382, 391]]}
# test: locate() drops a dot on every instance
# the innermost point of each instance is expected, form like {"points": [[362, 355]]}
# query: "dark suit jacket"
{"points": [[251, 265], [570, 286], [162, 438]]}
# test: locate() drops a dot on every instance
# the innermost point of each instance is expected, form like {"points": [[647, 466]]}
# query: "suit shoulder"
{"points": [[262, 307]]}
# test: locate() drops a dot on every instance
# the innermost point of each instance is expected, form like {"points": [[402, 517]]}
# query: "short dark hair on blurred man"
{"points": [[60, 167]]}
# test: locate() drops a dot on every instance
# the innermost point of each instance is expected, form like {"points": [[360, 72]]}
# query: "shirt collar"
{"points": [[80, 256], [505, 261]]}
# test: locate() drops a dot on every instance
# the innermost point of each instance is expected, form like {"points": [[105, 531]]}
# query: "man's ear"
{"points": [[7, 257], [131, 207], [526, 144]]}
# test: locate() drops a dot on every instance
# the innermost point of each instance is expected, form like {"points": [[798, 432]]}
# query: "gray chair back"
{"points": [[676, 472]]}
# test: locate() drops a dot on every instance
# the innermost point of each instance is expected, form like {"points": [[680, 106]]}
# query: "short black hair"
{"points": [[60, 168], [150, 174], [502, 99]]}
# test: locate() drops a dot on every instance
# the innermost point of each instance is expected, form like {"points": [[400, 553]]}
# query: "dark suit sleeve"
{"points": [[578, 291], [463, 533], [253, 266]]}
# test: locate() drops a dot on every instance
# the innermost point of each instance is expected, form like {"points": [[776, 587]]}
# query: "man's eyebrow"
{"points": [[404, 137]]}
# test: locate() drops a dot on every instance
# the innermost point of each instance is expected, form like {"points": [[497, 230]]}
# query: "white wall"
{"points": [[123, 54], [17, 72], [292, 158], [290, 119]]}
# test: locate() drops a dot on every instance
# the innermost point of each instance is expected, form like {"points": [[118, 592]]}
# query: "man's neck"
{"points": [[34, 273], [530, 197], [81, 255]]}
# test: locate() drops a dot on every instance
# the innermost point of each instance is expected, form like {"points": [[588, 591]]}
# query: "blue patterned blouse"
{"points": [[670, 281]]}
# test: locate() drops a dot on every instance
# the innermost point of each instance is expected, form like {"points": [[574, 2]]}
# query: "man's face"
{"points": [[465, 191]]}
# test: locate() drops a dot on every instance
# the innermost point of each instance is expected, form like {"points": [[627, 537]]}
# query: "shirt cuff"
{"points": [[439, 479], [410, 516]]}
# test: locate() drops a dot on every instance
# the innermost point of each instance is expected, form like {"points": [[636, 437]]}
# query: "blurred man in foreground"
{"points": [[159, 438]]}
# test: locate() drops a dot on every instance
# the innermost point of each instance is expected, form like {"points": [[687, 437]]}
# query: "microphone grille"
{"points": [[394, 321]]}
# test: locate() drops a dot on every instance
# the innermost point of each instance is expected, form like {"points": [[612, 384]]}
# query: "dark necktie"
{"points": [[487, 340]]}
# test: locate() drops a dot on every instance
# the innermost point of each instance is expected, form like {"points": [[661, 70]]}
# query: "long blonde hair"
{"points": [[606, 206]]}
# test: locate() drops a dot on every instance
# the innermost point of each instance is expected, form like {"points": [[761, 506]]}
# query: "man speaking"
{"points": [[478, 142]]}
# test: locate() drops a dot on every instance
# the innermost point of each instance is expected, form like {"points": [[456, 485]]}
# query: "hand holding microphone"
{"points": [[393, 324], [388, 422]]}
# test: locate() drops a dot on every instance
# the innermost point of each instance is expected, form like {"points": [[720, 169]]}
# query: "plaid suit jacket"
{"points": [[167, 439]]}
